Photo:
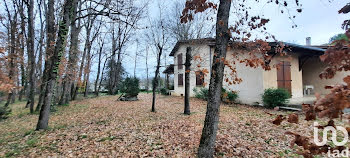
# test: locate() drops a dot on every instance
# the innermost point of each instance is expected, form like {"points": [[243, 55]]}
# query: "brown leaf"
{"points": [[278, 120], [293, 118]]}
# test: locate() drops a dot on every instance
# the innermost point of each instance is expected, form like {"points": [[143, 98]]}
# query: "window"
{"points": [[179, 61], [199, 78], [180, 79]]}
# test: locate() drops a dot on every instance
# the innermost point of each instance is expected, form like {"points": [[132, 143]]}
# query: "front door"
{"points": [[284, 79]]}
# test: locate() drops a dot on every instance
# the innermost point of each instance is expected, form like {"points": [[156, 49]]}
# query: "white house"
{"points": [[299, 70]]}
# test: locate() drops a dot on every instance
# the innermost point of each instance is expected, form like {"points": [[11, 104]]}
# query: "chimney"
{"points": [[308, 41]]}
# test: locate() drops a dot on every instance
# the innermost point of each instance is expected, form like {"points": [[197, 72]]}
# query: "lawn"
{"points": [[105, 127]]}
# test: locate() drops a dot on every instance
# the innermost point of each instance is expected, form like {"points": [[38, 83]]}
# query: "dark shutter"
{"points": [[180, 80], [179, 61], [284, 79], [199, 78]]}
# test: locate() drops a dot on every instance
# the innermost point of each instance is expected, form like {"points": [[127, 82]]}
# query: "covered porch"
{"points": [[169, 72]]}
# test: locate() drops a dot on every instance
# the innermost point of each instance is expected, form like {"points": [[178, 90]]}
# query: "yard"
{"points": [[105, 127]]}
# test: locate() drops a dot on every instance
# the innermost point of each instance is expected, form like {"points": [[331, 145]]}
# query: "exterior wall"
{"points": [[250, 89], [311, 70], [197, 50], [270, 77], [254, 80]]}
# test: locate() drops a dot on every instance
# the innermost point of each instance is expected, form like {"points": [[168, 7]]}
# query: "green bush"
{"points": [[4, 112], [164, 91], [143, 90], [228, 96], [130, 86], [2, 94], [232, 96], [275, 97], [201, 93]]}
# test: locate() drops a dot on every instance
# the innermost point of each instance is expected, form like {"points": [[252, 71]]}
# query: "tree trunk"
{"points": [[115, 68], [22, 67], [99, 85], [147, 78], [98, 69], [112, 65], [12, 57], [135, 62], [70, 77], [117, 72], [187, 80], [68, 8], [31, 56], [155, 80], [208, 138], [21, 42], [87, 77], [50, 40], [80, 73], [23, 78], [39, 70]]}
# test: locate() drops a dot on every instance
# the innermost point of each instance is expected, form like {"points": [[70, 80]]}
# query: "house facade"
{"points": [[298, 72]]}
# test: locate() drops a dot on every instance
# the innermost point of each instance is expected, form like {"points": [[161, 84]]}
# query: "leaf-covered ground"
{"points": [[105, 127]]}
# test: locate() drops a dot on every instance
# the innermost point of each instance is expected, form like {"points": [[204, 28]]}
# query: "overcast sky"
{"points": [[319, 20]]}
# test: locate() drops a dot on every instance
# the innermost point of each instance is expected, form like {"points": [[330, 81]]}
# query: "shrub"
{"points": [[130, 86], [4, 112], [232, 96], [143, 90], [201, 93], [2, 94], [164, 91], [228, 96], [275, 97]]}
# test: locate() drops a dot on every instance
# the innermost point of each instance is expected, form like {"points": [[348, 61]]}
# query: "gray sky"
{"points": [[319, 20]]}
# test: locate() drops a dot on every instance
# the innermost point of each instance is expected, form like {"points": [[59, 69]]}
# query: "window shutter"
{"points": [[179, 61], [180, 80], [199, 78], [284, 76]]}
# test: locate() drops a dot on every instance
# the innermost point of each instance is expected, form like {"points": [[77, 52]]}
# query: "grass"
{"points": [[32, 142], [19, 127]]}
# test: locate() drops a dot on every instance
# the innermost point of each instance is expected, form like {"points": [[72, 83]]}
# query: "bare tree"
{"points": [[12, 32], [21, 41], [68, 8], [31, 55], [206, 146], [70, 77], [136, 55], [147, 77], [50, 40], [158, 36], [39, 71], [121, 36], [101, 43], [102, 75], [89, 27], [199, 27]]}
